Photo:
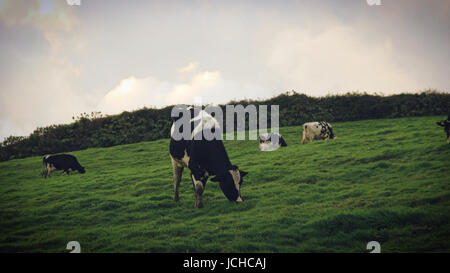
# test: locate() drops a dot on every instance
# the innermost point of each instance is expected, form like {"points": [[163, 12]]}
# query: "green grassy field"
{"points": [[384, 180]]}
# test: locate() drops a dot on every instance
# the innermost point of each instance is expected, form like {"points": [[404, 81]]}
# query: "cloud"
{"points": [[201, 84], [45, 95], [44, 15], [336, 59], [40, 84], [191, 67], [209, 86], [133, 93]]}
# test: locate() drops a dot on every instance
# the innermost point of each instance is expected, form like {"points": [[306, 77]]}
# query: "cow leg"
{"points": [[199, 187], [304, 136], [49, 170], [44, 171], [177, 173]]}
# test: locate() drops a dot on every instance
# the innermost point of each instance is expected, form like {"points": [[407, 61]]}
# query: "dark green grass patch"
{"points": [[383, 180]]}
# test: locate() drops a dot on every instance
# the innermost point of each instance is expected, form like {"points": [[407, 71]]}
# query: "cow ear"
{"points": [[243, 173]]}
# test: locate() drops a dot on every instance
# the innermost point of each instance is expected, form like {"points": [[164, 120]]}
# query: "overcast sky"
{"points": [[57, 61]]}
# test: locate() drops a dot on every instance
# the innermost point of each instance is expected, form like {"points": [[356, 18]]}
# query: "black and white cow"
{"points": [[316, 130], [271, 141], [204, 158], [446, 125], [64, 162]]}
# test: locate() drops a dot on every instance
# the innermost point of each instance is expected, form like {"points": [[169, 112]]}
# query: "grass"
{"points": [[380, 180]]}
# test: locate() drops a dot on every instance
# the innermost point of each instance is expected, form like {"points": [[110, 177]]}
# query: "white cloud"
{"points": [[133, 93], [191, 67], [45, 96], [40, 84], [336, 60], [201, 84]]}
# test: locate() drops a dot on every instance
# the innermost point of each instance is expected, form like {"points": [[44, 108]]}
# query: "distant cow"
{"points": [[271, 141], [446, 125], [204, 158], [316, 130], [64, 162]]}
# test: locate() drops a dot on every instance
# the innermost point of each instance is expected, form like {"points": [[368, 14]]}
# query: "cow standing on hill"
{"points": [[316, 130], [446, 125], [64, 162], [204, 158]]}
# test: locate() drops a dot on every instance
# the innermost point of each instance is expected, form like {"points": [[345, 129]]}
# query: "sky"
{"points": [[59, 60]]}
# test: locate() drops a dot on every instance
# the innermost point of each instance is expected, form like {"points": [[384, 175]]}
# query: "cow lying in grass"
{"points": [[64, 162], [204, 158], [316, 130], [446, 125], [271, 141]]}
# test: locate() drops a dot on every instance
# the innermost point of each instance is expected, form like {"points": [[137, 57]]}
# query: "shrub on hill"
{"points": [[145, 124]]}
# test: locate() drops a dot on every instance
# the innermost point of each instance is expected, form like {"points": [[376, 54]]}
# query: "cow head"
{"points": [[443, 123], [230, 182], [327, 129], [81, 170], [446, 125], [331, 133]]}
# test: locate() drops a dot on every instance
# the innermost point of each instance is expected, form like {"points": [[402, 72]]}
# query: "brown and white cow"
{"points": [[317, 130]]}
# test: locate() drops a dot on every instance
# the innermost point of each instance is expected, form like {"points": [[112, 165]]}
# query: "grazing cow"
{"points": [[317, 130], [64, 162], [446, 125], [271, 141], [204, 158]]}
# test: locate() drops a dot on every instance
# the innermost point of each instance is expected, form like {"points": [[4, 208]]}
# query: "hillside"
{"points": [[385, 180]]}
